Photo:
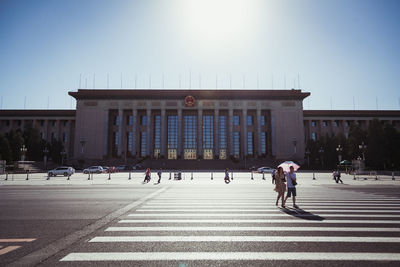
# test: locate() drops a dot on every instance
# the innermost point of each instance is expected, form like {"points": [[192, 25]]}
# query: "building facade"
{"points": [[188, 124]]}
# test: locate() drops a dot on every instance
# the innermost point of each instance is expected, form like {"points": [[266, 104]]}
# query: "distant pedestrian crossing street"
{"points": [[241, 225]]}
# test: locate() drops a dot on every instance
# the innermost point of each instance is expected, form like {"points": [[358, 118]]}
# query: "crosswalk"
{"points": [[185, 226]]}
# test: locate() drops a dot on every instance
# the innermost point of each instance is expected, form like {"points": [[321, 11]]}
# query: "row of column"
{"points": [[164, 137]]}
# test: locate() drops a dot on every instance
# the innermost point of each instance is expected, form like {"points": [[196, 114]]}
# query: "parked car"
{"points": [[137, 167], [121, 168], [93, 169], [66, 171], [111, 169], [265, 170]]}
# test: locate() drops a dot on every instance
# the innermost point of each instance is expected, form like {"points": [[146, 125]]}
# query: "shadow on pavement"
{"points": [[302, 214]]}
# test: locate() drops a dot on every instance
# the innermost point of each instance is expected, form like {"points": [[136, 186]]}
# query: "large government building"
{"points": [[188, 124]]}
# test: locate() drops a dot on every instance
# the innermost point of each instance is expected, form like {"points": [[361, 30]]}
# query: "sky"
{"points": [[344, 52]]}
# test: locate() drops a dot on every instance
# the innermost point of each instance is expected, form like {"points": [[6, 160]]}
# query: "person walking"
{"points": [[280, 185], [338, 177], [291, 186], [147, 176], [227, 180], [159, 176], [273, 174]]}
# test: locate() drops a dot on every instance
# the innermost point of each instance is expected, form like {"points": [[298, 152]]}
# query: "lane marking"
{"points": [[223, 256], [261, 209], [8, 249], [264, 204], [260, 221], [17, 240], [256, 215], [284, 239], [250, 229]]}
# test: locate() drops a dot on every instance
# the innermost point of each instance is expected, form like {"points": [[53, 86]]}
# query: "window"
{"points": [[314, 136], [41, 123], [157, 136], [262, 118], [65, 137], [143, 144], [53, 123], [189, 133], [172, 137], [116, 138], [130, 120], [335, 124], [42, 135], [346, 123], [53, 136], [143, 120], [346, 134], [208, 136], [222, 137], [130, 141], [116, 120], [263, 142], [313, 123], [249, 120], [236, 144], [324, 124], [250, 147], [236, 120]]}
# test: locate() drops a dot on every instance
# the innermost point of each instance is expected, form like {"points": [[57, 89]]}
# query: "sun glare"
{"points": [[214, 20]]}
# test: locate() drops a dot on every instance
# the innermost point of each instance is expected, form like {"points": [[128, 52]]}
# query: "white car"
{"points": [[93, 169], [66, 171], [265, 170]]}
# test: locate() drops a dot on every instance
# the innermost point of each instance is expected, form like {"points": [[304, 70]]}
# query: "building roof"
{"points": [[37, 113], [181, 94], [351, 113]]}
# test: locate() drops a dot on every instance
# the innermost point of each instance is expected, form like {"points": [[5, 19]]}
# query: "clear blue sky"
{"points": [[340, 49]]}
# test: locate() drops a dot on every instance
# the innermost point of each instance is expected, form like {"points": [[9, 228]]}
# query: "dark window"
{"points": [[250, 148], [208, 132], [249, 120], [172, 132], [236, 144], [143, 120], [190, 132], [157, 132], [222, 132], [263, 142], [143, 144], [236, 120]]}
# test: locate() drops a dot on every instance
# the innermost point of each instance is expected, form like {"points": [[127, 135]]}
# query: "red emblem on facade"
{"points": [[189, 101]]}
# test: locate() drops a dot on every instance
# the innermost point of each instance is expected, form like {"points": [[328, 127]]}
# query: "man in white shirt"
{"points": [[290, 178]]}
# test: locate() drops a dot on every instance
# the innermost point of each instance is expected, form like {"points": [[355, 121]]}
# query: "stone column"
{"points": [[200, 132], [120, 121], [230, 135], [216, 132], [135, 131], [258, 131], [163, 133], [148, 126], [244, 131], [105, 133], [180, 137]]}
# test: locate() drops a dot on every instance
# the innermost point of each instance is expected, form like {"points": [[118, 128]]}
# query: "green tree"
{"points": [[16, 142], [55, 148], [375, 153], [5, 150], [33, 143], [391, 147], [356, 137]]}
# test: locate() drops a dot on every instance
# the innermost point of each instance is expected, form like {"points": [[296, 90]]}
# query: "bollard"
{"points": [[212, 177], [231, 175], [263, 176], [68, 177], [392, 176], [313, 176], [27, 175], [129, 176], [354, 176], [88, 176], [109, 176], [376, 176], [170, 175], [48, 176], [7, 176], [252, 176], [191, 176]]}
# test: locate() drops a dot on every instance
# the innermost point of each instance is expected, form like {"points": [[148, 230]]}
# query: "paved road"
{"points": [[182, 224]]}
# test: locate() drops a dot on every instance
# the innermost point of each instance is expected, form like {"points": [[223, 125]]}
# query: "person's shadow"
{"points": [[302, 214]]}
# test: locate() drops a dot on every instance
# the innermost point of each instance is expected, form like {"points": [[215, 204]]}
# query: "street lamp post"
{"points": [[362, 147], [23, 151], [63, 154], [45, 152], [308, 152], [321, 152], [339, 149]]}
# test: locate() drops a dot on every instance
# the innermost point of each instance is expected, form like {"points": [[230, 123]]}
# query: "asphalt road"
{"points": [[206, 224]]}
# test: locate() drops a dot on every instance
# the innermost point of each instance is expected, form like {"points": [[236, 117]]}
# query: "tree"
{"points": [[5, 150], [55, 148], [391, 147], [15, 141], [356, 137], [33, 143], [375, 152]]}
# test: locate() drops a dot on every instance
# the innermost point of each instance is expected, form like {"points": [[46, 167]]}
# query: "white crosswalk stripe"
{"points": [[246, 217]]}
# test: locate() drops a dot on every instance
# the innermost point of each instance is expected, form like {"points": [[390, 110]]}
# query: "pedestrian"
{"points": [[159, 175], [280, 185], [291, 186], [273, 174], [334, 174], [338, 175], [147, 176], [227, 180]]}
